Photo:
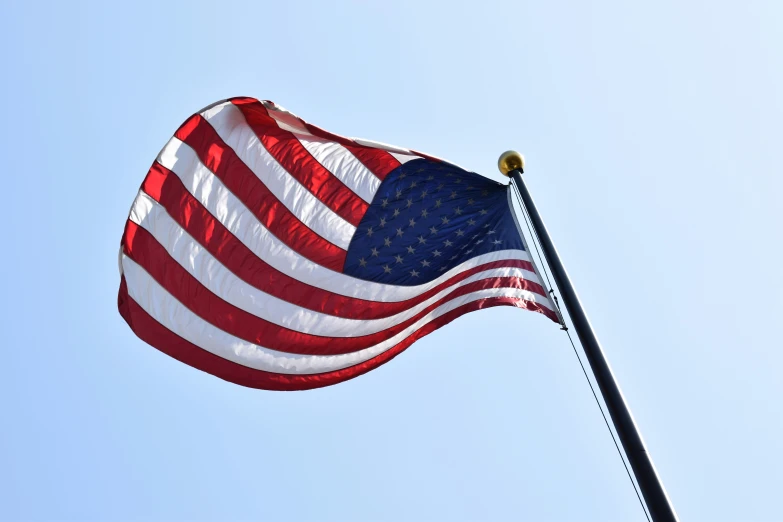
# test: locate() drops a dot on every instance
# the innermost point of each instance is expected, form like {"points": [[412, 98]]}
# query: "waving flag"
{"points": [[276, 255]]}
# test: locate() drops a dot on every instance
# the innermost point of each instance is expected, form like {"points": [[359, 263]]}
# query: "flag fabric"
{"points": [[273, 254]]}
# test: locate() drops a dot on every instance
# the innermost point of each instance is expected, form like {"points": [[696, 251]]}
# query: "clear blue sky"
{"points": [[653, 137]]}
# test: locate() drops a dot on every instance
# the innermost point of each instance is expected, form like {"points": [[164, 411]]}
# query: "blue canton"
{"points": [[426, 218]]}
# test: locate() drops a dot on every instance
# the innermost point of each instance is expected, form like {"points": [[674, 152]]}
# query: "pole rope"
{"points": [[538, 254], [535, 241]]}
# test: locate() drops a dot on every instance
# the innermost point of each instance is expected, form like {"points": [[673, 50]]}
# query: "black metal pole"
{"points": [[652, 489]]}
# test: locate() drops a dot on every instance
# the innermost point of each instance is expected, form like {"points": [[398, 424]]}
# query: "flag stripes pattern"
{"points": [[250, 251]]}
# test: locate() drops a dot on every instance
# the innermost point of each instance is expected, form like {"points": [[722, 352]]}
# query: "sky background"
{"points": [[652, 132]]}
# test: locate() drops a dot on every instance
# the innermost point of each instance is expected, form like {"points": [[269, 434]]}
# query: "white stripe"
{"points": [[291, 122], [247, 229], [229, 123], [333, 156], [170, 313], [285, 119], [199, 263], [403, 158], [343, 165], [382, 146]]}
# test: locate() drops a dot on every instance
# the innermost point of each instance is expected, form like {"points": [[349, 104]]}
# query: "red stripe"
{"points": [[240, 180], [142, 248], [379, 161], [281, 115], [155, 334], [426, 156], [297, 160]]}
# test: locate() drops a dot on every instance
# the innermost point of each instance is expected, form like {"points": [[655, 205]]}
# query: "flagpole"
{"points": [[511, 164]]}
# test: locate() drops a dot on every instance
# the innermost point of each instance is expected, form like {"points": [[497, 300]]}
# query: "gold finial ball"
{"points": [[510, 160]]}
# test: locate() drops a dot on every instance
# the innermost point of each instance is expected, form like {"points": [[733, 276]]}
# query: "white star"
{"points": [[374, 251], [399, 194], [424, 213], [436, 253], [414, 273], [387, 242], [398, 258], [386, 269], [411, 250], [440, 187], [422, 240], [383, 222], [479, 241], [410, 203], [442, 268], [471, 222], [430, 178], [433, 230], [445, 220], [470, 201], [483, 211], [458, 180], [413, 185], [403, 176], [438, 203], [412, 222], [425, 263], [369, 231], [423, 194], [385, 203], [362, 262], [452, 258], [460, 233], [458, 211], [496, 242], [468, 251], [490, 232], [399, 232], [475, 236], [396, 212], [448, 243], [453, 194]]}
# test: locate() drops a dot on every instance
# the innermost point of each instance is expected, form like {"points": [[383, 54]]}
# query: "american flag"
{"points": [[273, 254]]}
